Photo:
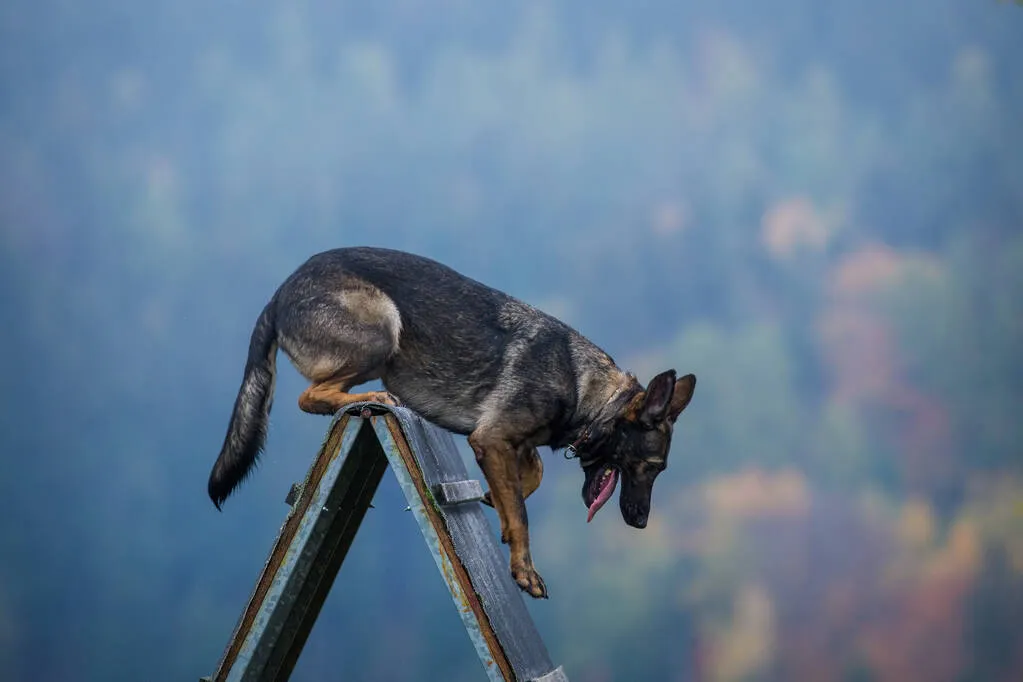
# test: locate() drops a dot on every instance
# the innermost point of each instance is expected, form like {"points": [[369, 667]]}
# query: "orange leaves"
{"points": [[860, 349], [808, 585], [864, 272], [754, 493], [793, 224]]}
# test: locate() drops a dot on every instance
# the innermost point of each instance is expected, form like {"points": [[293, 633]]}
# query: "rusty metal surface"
{"points": [[476, 545], [306, 557], [327, 510], [432, 525], [332, 443]]}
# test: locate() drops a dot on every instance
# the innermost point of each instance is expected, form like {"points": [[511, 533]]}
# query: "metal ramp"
{"points": [[326, 511]]}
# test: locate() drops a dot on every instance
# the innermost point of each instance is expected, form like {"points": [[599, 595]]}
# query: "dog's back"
{"points": [[450, 348], [437, 339]]}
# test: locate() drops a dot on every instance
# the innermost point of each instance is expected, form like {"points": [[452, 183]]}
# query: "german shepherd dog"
{"points": [[470, 359]]}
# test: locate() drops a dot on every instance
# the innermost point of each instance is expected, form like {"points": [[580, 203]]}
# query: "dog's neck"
{"points": [[599, 395], [602, 388]]}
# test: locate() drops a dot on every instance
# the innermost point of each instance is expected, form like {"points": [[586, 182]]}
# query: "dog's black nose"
{"points": [[637, 520]]}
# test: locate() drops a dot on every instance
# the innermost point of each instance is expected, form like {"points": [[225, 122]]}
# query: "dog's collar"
{"points": [[572, 451], [580, 447]]}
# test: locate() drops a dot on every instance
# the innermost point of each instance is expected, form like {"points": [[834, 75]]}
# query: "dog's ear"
{"points": [[681, 396], [657, 398]]}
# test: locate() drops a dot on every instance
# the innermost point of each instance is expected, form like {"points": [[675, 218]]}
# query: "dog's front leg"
{"points": [[499, 462]]}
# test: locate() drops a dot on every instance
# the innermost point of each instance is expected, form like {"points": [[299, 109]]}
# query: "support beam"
{"points": [[325, 516]]}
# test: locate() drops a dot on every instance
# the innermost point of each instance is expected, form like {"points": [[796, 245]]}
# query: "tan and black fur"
{"points": [[468, 358]]}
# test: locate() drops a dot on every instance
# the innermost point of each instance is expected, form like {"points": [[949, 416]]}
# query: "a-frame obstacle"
{"points": [[326, 511]]}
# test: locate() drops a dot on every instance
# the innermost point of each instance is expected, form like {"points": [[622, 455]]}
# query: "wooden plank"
{"points": [[306, 556], [352, 505], [504, 619], [434, 529], [327, 512]]}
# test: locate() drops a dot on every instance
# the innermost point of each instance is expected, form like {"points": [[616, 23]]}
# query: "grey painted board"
{"points": [[305, 559], [322, 524], [478, 548]]}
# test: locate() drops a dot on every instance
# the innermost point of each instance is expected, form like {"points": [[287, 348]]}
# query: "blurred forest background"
{"points": [[816, 207]]}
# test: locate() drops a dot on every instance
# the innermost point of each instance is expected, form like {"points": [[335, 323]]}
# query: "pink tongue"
{"points": [[604, 495]]}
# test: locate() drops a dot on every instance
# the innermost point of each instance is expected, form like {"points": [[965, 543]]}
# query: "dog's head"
{"points": [[634, 445]]}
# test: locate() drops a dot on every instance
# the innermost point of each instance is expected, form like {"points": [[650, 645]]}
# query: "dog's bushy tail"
{"points": [[246, 432]]}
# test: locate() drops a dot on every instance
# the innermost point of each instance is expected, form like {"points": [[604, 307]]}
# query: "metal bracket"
{"points": [[294, 493], [458, 492]]}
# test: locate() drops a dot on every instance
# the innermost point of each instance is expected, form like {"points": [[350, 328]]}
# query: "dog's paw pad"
{"points": [[530, 582]]}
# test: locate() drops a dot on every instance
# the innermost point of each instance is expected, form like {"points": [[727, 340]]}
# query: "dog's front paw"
{"points": [[530, 581]]}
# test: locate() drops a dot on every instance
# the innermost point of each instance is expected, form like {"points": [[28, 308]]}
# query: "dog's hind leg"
{"points": [[338, 335], [330, 396]]}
